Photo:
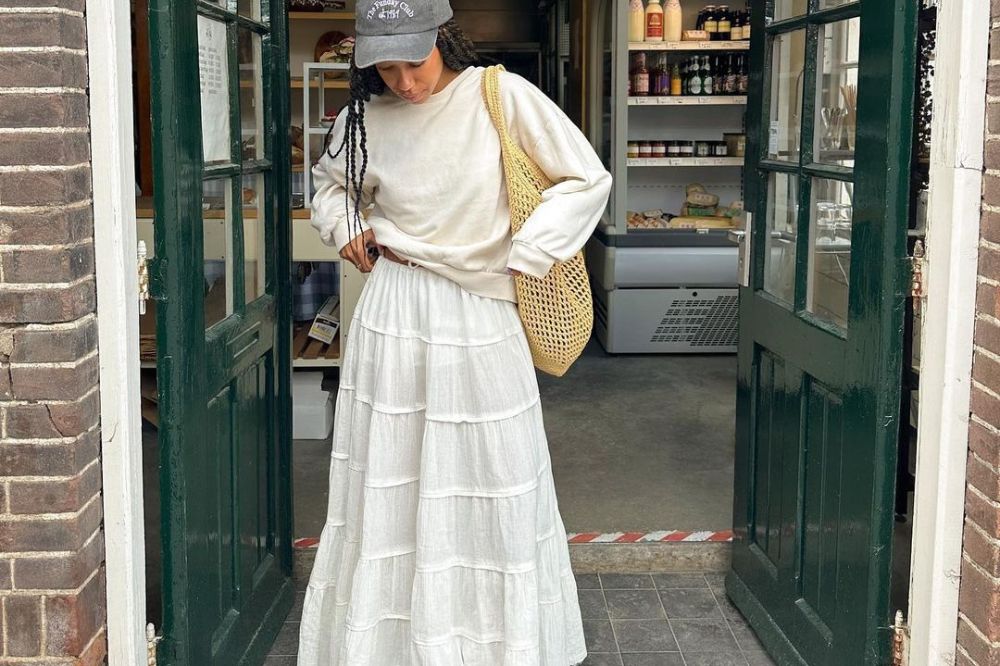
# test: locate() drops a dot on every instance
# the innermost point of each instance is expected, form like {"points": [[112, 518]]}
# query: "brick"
{"points": [[58, 345], [49, 306], [49, 535], [981, 550], [74, 5], [993, 118], [61, 496], [74, 620], [989, 227], [982, 513], [32, 382], [95, 654], [44, 148], [65, 572], [40, 266], [984, 444], [74, 418], [43, 30], [983, 478], [991, 182], [6, 579], [45, 188], [989, 263], [962, 660], [987, 335], [30, 422], [986, 407], [981, 652], [24, 626], [5, 388], [44, 110], [979, 601], [988, 299], [986, 371], [43, 69], [56, 225], [49, 459], [993, 80], [3, 497]]}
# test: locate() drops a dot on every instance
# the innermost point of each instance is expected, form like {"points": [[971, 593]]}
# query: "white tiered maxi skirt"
{"points": [[443, 544]]}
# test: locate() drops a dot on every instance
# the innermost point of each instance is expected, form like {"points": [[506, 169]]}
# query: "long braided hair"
{"points": [[458, 53]]}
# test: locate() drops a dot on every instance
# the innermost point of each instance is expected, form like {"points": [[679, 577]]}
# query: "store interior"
{"points": [[642, 430]]}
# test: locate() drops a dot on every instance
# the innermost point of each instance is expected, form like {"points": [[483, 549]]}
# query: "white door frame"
{"points": [[109, 46], [954, 210], [953, 237]]}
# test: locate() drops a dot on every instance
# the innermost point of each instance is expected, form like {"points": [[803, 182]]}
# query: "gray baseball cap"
{"points": [[404, 30]]}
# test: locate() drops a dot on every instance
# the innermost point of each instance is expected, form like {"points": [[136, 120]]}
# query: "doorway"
{"points": [[652, 433]]}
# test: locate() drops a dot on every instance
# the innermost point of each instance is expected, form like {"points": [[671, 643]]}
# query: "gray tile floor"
{"points": [[657, 619]]}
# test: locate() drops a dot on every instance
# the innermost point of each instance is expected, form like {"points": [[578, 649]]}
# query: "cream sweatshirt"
{"points": [[436, 181]]}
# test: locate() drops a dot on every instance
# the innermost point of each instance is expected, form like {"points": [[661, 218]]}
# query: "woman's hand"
{"points": [[357, 251], [515, 273]]}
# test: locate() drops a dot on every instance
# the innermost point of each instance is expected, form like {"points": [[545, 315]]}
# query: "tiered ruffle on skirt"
{"points": [[443, 544]]}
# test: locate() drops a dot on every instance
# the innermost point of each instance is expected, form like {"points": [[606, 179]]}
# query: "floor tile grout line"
{"points": [[729, 624], [670, 625], [607, 610]]}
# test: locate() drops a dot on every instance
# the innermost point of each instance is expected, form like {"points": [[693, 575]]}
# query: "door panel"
{"points": [[219, 82], [820, 326]]}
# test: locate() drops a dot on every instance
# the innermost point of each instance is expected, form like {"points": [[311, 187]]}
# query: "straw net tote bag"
{"points": [[558, 310]]}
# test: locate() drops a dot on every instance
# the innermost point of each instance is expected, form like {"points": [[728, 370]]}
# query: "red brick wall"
{"points": [[51, 543], [979, 602]]}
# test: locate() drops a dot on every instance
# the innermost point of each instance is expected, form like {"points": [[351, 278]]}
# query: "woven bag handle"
{"points": [[491, 94]]}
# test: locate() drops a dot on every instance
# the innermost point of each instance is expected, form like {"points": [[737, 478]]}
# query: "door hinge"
{"points": [[900, 641], [143, 264], [918, 264], [151, 642]]}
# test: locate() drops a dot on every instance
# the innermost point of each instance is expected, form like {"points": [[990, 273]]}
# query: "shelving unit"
{"points": [[690, 100], [669, 290]]}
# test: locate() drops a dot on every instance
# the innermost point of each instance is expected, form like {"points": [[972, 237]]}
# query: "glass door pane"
{"points": [[830, 228], [254, 236], [785, 9], [251, 95], [836, 100], [782, 218], [213, 67], [217, 238], [788, 58]]}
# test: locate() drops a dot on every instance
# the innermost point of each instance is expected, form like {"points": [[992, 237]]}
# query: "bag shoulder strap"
{"points": [[491, 95]]}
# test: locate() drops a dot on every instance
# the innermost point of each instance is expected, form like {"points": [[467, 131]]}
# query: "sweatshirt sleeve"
{"points": [[570, 209], [332, 206]]}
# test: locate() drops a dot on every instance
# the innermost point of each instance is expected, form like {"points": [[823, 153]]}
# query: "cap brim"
{"points": [[370, 50]]}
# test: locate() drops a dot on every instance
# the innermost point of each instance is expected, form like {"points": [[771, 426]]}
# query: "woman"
{"points": [[443, 544]]}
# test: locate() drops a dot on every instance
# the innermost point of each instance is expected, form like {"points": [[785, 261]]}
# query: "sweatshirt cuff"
{"points": [[530, 260], [343, 233]]}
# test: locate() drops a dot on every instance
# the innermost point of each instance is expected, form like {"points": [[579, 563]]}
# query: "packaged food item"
{"points": [[737, 144], [659, 149], [720, 149], [654, 21], [633, 149], [636, 21], [645, 149], [703, 149]]}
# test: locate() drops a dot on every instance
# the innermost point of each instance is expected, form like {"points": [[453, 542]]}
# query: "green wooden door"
{"points": [[821, 325], [220, 107]]}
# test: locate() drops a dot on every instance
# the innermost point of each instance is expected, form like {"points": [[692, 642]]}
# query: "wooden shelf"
{"points": [[332, 84], [321, 16], [309, 353], [685, 162], [688, 47], [689, 100]]}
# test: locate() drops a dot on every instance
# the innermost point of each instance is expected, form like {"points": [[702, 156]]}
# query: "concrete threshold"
{"points": [[609, 558], [643, 557]]}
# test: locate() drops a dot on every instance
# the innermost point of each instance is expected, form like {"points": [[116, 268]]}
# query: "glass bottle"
{"points": [[725, 23], [655, 80], [719, 76], [640, 78], [673, 21], [729, 80], [736, 32], [707, 77], [746, 22], [743, 77], [676, 82], [654, 21], [711, 25], [694, 81], [636, 21]]}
